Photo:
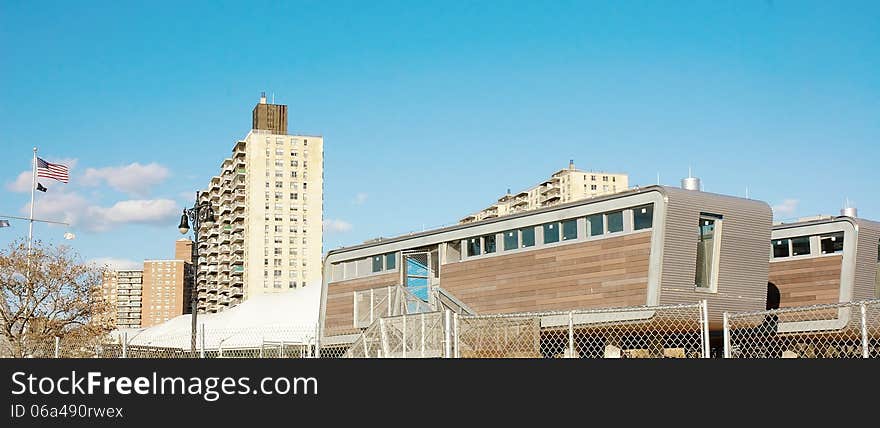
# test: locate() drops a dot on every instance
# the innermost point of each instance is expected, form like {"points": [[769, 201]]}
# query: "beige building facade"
{"points": [[268, 208], [122, 290], [566, 185], [166, 290]]}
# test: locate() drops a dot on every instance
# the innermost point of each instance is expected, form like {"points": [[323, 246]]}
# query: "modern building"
{"points": [[565, 185], [268, 205], [122, 290], [648, 246], [825, 259], [166, 290]]}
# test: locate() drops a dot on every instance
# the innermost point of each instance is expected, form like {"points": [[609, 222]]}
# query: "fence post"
{"points": [[404, 336], [317, 352], [372, 304], [58, 344], [456, 327], [447, 332], [124, 344], [864, 311], [423, 334], [385, 347], [704, 308], [726, 335], [570, 334], [202, 353]]}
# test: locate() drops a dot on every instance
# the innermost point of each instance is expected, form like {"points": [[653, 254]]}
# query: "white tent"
{"points": [[290, 317]]}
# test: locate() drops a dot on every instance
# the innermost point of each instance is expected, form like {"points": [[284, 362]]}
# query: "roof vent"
{"points": [[849, 211], [691, 182]]}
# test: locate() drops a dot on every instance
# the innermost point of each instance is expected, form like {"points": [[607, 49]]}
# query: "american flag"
{"points": [[54, 171]]}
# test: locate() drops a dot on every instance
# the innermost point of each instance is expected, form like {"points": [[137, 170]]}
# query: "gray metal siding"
{"points": [[866, 259], [743, 260]]}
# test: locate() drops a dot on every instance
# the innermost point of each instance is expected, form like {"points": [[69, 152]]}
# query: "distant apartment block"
{"points": [[166, 290], [122, 290], [566, 185], [183, 249], [268, 207]]}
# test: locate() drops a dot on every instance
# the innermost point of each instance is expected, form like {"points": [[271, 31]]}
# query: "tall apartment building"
{"points": [[268, 209], [183, 250], [566, 185], [167, 287], [122, 290]]}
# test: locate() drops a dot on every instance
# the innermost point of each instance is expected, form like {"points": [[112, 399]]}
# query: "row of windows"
{"points": [[387, 261], [802, 245], [597, 225], [293, 141]]}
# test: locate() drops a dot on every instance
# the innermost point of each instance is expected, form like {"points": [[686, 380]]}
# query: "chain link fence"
{"points": [[679, 331], [842, 330]]}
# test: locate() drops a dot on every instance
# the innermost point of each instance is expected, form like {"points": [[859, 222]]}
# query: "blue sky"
{"points": [[431, 111]]}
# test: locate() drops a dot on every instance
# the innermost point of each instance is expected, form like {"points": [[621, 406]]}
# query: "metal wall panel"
{"points": [[743, 262]]}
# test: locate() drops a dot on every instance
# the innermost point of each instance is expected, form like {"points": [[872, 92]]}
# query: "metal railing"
{"points": [[840, 330]]}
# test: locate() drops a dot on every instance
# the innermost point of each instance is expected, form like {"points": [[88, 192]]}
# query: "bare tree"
{"points": [[47, 293]]}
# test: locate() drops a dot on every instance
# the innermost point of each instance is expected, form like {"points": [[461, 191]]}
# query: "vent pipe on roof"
{"points": [[691, 182], [262, 98], [571, 164], [849, 210]]}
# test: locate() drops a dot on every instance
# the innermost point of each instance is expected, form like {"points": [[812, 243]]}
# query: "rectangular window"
{"points": [[489, 244], [800, 246], [390, 261], [377, 264], [551, 233], [473, 247], [707, 251], [596, 224], [643, 217], [528, 236], [780, 248], [832, 243], [615, 221], [569, 229], [511, 240]]}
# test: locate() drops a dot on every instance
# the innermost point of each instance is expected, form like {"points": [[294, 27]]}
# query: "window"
{"points": [[615, 221], [551, 233], [511, 240], [605, 178], [780, 248], [569, 229], [593, 187], [377, 264], [528, 237], [390, 261], [708, 248], [832, 243], [643, 217], [489, 244], [473, 247], [800, 245], [596, 224]]}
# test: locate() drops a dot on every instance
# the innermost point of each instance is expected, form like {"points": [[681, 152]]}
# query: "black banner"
{"points": [[284, 392]]}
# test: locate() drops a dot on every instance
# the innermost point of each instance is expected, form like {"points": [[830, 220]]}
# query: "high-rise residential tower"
{"points": [[268, 208], [122, 290]]}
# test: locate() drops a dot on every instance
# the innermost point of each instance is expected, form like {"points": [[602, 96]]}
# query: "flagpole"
{"points": [[33, 189]]}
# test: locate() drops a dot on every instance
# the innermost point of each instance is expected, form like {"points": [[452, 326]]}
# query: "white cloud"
{"points": [[150, 211], [786, 208], [336, 226], [117, 264], [74, 209], [22, 183], [360, 198], [134, 178]]}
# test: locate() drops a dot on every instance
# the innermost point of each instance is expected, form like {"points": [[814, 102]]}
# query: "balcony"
{"points": [[237, 237], [236, 291], [238, 249]]}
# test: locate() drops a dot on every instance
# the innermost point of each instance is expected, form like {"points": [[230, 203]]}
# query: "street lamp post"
{"points": [[200, 213]]}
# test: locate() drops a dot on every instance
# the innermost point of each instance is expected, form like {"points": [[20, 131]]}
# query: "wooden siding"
{"points": [[339, 318], [808, 281], [610, 272]]}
